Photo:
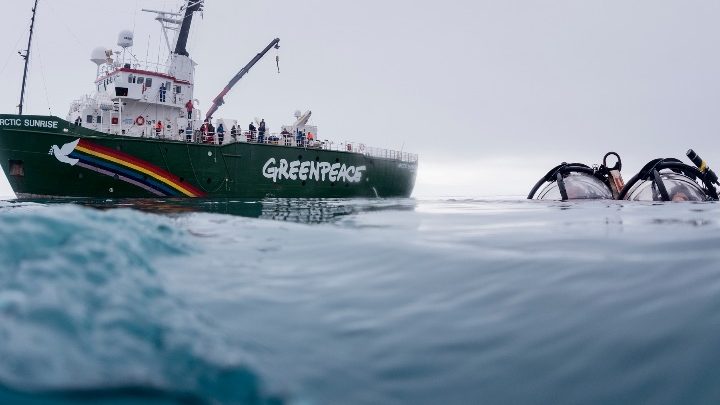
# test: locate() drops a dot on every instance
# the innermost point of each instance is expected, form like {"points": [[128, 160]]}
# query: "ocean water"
{"points": [[359, 302]]}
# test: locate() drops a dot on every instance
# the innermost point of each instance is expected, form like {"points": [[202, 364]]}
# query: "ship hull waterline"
{"points": [[47, 156]]}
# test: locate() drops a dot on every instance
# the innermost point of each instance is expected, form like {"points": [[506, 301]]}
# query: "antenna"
{"points": [[26, 56], [168, 21]]}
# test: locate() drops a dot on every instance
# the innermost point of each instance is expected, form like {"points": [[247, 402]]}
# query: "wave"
{"points": [[84, 313]]}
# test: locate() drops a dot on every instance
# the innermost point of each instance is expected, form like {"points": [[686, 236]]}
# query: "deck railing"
{"points": [[289, 140]]}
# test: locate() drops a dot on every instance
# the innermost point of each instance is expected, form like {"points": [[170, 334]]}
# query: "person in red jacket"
{"points": [[204, 131], [189, 106]]}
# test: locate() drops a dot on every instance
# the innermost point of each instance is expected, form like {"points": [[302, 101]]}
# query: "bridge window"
{"points": [[89, 119], [148, 82], [178, 89], [99, 119], [140, 80]]}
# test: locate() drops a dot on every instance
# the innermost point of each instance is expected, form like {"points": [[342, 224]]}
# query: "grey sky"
{"points": [[477, 88]]}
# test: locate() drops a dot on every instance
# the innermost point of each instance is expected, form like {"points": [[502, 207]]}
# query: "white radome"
{"points": [[98, 56], [125, 39]]}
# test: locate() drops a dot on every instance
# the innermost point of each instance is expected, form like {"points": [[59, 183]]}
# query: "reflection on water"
{"points": [[306, 211]]}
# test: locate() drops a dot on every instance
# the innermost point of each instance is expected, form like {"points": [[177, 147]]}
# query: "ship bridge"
{"points": [[145, 85]]}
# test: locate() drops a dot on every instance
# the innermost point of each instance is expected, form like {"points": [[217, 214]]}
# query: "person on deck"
{"points": [[261, 132], [211, 133], [300, 138], [204, 131], [253, 131], [78, 122], [221, 133], [162, 91], [189, 106], [234, 133], [158, 128]]}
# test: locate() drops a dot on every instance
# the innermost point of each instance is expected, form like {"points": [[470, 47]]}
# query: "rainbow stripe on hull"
{"points": [[131, 170]]}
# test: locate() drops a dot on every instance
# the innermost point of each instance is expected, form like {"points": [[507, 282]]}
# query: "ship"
{"points": [[140, 135]]}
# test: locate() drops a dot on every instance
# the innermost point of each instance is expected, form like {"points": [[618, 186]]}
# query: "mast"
{"points": [[27, 59], [190, 9]]}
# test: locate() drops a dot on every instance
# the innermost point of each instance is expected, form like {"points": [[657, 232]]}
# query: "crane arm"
{"points": [[220, 99]]}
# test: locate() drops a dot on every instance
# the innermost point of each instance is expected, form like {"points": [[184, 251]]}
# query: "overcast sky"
{"points": [[491, 94]]}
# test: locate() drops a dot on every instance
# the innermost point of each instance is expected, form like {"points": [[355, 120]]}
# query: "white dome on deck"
{"points": [[98, 56]]}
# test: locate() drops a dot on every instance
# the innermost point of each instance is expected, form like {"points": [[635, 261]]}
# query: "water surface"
{"points": [[359, 302]]}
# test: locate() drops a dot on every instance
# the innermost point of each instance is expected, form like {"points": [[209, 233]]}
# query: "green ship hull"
{"points": [[46, 156]]}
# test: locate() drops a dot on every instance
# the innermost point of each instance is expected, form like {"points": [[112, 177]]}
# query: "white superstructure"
{"points": [[131, 97]]}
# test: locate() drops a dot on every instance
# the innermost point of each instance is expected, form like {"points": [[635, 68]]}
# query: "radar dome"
{"points": [[125, 39], [297, 114], [98, 56]]}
